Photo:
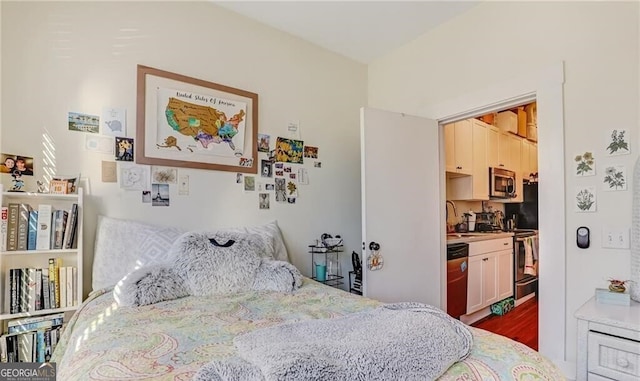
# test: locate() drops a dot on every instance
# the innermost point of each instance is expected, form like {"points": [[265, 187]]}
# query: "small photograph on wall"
{"points": [[124, 149], [146, 197], [585, 199], [585, 164], [134, 176], [164, 175], [249, 183], [269, 187], [160, 194], [114, 122], [263, 143], [615, 178], [239, 178], [246, 162], [292, 189], [263, 200], [281, 190], [289, 150], [84, 122], [16, 164], [618, 143], [311, 152], [265, 170], [317, 164]]}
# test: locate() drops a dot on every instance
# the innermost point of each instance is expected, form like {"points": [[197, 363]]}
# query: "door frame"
{"points": [[546, 88]]}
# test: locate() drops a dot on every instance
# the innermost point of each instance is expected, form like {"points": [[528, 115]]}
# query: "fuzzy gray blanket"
{"points": [[404, 341]]}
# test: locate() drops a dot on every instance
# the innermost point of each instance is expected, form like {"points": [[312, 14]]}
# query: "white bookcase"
{"points": [[40, 258]]}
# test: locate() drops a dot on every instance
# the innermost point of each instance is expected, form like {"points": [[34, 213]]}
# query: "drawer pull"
{"points": [[622, 363], [506, 243]]}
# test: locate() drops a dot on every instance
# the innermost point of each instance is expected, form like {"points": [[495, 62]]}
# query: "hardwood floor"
{"points": [[519, 324]]}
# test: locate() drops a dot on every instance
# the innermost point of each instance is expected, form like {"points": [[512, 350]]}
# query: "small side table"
{"points": [[325, 255]]}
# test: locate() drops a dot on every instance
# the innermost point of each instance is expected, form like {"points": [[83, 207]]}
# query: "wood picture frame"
{"points": [[192, 123]]}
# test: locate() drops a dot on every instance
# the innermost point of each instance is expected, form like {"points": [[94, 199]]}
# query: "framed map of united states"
{"points": [[188, 122]]}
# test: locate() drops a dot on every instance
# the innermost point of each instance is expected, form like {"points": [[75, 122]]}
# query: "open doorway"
{"points": [[546, 88], [491, 173]]}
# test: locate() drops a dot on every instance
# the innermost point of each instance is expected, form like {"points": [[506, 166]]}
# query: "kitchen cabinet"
{"points": [[529, 158], [476, 186], [490, 273], [493, 139], [458, 139]]}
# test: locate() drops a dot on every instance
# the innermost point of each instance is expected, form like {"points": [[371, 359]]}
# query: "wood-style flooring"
{"points": [[519, 324]]}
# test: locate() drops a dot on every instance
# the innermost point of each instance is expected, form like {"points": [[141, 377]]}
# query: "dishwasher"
{"points": [[457, 280]]}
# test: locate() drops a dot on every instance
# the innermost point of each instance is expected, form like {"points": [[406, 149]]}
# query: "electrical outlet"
{"points": [[615, 238]]}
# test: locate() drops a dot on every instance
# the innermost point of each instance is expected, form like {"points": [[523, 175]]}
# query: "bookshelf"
{"points": [[39, 258]]}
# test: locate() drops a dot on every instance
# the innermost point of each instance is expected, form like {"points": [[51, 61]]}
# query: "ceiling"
{"points": [[360, 30]]}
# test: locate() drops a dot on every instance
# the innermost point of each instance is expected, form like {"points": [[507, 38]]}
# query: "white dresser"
{"points": [[608, 342]]}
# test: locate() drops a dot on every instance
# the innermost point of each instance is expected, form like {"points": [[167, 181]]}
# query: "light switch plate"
{"points": [[615, 238]]}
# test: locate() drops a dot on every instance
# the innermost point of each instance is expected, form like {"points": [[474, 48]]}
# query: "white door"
{"points": [[401, 206]]}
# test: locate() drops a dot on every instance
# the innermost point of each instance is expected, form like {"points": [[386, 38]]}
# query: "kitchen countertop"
{"points": [[473, 237]]}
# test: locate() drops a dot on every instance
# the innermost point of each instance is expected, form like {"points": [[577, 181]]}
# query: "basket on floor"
{"points": [[504, 306]]}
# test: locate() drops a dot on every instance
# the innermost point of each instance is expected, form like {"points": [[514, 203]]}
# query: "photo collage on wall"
{"points": [[613, 176], [283, 168]]}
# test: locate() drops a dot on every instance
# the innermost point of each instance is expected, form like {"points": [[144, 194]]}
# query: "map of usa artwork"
{"points": [[202, 124]]}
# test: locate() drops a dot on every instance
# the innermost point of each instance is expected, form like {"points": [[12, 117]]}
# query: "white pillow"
{"points": [[271, 235], [122, 246]]}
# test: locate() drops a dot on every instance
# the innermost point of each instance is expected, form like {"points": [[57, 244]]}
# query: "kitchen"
{"points": [[492, 221]]}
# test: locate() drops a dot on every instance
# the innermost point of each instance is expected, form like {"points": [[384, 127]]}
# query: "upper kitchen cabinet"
{"points": [[458, 140], [476, 186], [493, 144], [529, 158]]}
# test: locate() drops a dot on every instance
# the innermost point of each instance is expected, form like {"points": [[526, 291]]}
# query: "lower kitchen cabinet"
{"points": [[490, 273]]}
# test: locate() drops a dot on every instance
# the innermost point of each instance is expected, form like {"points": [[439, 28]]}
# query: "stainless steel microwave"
{"points": [[502, 183]]}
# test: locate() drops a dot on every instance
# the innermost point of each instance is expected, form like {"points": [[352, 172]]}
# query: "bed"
{"points": [[173, 339]]}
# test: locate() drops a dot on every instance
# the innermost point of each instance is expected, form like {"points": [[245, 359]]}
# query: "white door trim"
{"points": [[546, 86]]}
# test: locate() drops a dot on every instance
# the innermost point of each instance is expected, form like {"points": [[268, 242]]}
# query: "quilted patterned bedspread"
{"points": [[172, 340]]}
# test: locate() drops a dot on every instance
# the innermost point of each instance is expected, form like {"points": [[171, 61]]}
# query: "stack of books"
{"points": [[31, 339], [605, 296], [25, 228]]}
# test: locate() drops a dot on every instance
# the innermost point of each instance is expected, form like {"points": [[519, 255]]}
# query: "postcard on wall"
{"points": [[263, 142], [585, 199], [265, 168], [114, 122], [311, 152], [246, 162], [249, 183], [585, 164], [615, 178], [99, 144], [239, 178], [134, 176], [292, 189], [317, 164], [289, 150], [263, 200], [84, 122], [146, 197], [183, 185], [303, 176], [618, 143], [164, 175], [269, 187], [109, 172], [293, 130], [281, 190], [124, 149], [160, 195]]}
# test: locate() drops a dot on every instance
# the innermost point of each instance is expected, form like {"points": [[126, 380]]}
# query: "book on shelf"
{"points": [[72, 226], [46, 300], [32, 233], [43, 235], [12, 227], [4, 216], [35, 323], [23, 225], [35, 289]]}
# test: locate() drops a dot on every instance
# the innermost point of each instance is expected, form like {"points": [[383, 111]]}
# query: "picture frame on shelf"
{"points": [[63, 184], [192, 123]]}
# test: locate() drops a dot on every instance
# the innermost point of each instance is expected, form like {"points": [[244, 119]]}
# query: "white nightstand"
{"points": [[608, 342]]}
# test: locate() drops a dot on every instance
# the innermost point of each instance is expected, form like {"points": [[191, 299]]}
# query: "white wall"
{"points": [[497, 41], [73, 56]]}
